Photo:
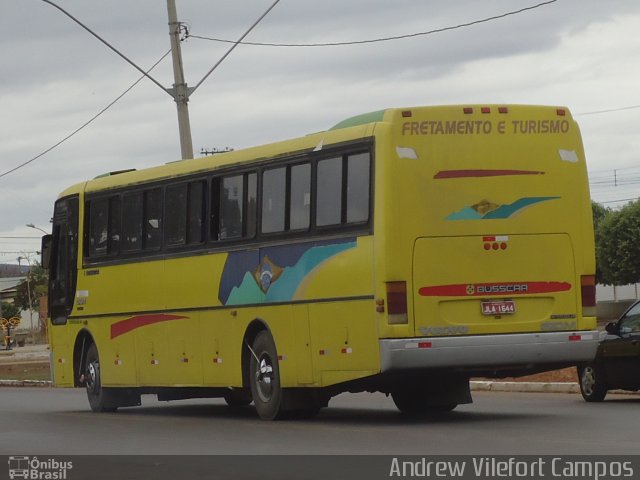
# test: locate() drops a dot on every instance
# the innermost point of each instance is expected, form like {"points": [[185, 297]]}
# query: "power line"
{"points": [[24, 164], [121, 55], [621, 200], [235, 44], [615, 169], [377, 40], [611, 110]]}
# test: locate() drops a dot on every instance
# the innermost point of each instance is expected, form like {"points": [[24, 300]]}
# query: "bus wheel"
{"points": [[265, 378], [95, 393], [238, 398], [592, 384], [416, 402]]}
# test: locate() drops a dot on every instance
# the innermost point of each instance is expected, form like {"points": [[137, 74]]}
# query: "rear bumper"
{"points": [[486, 352]]}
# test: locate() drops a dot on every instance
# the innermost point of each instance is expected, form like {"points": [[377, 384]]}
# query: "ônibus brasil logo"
{"points": [[36, 469]]}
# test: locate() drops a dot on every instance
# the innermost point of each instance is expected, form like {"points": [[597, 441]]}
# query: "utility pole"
{"points": [[180, 92]]}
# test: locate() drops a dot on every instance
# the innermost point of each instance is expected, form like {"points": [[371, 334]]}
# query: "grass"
{"points": [[25, 371]]}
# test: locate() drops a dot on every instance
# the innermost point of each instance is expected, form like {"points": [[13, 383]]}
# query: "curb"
{"points": [[525, 387], [26, 383]]}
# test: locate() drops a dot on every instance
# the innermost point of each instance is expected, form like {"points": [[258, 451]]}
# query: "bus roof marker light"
{"points": [[467, 110], [561, 112], [319, 146], [406, 152], [503, 110], [568, 156], [485, 110], [407, 114]]}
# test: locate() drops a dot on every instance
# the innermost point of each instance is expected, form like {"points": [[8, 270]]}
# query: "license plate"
{"points": [[498, 307]]}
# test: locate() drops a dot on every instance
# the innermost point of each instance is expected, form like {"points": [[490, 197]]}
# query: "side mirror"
{"points": [[45, 251], [612, 328]]}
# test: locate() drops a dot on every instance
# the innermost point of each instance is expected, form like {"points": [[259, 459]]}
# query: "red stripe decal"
{"points": [[488, 289], [125, 326], [483, 173]]}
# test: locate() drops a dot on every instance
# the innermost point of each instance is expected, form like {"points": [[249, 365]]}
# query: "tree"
{"points": [[600, 213], [37, 284], [618, 245], [10, 310]]}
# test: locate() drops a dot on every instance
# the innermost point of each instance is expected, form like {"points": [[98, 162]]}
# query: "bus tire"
{"points": [[264, 378], [98, 397], [418, 402], [592, 382]]}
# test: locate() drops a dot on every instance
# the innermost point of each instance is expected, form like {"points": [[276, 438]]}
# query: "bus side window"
{"points": [[152, 219], [343, 190], [252, 205], [103, 226], [300, 201], [175, 215], [358, 174], [329, 192], [273, 200], [196, 212], [132, 222], [113, 243], [231, 204], [98, 226]]}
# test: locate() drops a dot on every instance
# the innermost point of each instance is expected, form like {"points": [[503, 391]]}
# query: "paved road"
{"points": [[57, 421]]}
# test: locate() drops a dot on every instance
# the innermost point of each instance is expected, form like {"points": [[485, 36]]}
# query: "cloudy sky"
{"points": [[55, 77]]}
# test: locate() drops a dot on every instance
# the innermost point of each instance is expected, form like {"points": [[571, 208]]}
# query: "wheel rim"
{"points": [[588, 380], [93, 382], [264, 377]]}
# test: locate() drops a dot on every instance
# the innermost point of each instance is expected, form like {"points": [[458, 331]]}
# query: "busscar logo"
{"points": [[508, 288], [37, 469]]}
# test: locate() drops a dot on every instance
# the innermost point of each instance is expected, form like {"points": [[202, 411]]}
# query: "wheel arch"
{"points": [[253, 329], [84, 340]]}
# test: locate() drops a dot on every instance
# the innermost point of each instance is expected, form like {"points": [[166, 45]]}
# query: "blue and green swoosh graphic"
{"points": [[274, 274], [486, 211]]}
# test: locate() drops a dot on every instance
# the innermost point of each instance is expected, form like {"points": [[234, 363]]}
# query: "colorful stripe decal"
{"points": [[487, 289], [125, 326], [483, 173], [485, 210]]}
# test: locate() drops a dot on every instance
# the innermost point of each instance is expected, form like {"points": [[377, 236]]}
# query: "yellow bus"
{"points": [[401, 251]]}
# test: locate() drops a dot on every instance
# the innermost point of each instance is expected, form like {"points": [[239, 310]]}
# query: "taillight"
{"points": [[397, 302], [588, 290], [396, 297]]}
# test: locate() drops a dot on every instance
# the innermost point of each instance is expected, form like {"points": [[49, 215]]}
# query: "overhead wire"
{"points": [[145, 75], [383, 39], [87, 123], [610, 110]]}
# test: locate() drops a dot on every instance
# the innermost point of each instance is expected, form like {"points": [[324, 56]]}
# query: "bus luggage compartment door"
{"points": [[494, 284]]}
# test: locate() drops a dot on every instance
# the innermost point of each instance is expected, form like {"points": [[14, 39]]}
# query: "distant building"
{"points": [[8, 289]]}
